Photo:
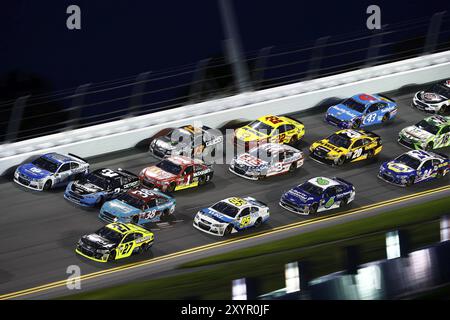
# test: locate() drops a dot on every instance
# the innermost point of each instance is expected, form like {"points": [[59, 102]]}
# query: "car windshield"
{"points": [[409, 161], [226, 208], [261, 127], [45, 164], [179, 135], [441, 89], [340, 140], [130, 200], [354, 105], [311, 188], [110, 234], [427, 126], [169, 166], [96, 179]]}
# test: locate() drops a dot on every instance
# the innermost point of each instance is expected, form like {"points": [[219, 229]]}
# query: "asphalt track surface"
{"points": [[38, 231]]}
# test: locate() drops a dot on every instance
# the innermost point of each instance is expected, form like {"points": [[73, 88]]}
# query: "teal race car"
{"points": [[428, 134]]}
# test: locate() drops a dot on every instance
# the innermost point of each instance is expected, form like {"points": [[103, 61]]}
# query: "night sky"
{"points": [[123, 38]]}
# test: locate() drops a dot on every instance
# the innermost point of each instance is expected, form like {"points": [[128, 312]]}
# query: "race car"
{"points": [[100, 185], [414, 166], [115, 241], [231, 215], [186, 140], [435, 99], [50, 170], [318, 194], [361, 110], [428, 134], [346, 145], [176, 173], [270, 128], [267, 160], [139, 206]]}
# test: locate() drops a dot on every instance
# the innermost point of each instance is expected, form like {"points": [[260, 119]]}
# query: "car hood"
{"points": [[298, 195], [250, 161], [413, 132], [342, 112], [165, 142], [97, 242], [32, 171], [120, 209], [397, 167], [248, 134], [217, 216], [156, 173], [84, 188], [431, 97]]}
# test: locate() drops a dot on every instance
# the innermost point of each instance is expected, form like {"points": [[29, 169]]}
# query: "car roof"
{"points": [[438, 120], [420, 155], [183, 161], [351, 134], [365, 98], [57, 157], [282, 120], [151, 194], [323, 182], [117, 226], [245, 203], [274, 147]]}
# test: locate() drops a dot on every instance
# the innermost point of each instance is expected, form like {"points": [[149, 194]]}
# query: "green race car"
{"points": [[430, 133]]}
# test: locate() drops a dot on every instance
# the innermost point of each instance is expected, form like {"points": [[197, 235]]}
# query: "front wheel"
{"points": [[293, 140], [47, 185], [344, 203], [228, 230], [112, 256], [313, 208], [293, 167], [385, 118], [356, 124], [135, 219], [443, 110], [258, 222], [429, 146], [409, 182], [201, 180], [171, 187], [340, 161]]}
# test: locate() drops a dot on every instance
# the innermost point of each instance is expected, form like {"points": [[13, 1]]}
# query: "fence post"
{"points": [[433, 32], [136, 93], [445, 228], [77, 106], [233, 47], [316, 57], [15, 119]]}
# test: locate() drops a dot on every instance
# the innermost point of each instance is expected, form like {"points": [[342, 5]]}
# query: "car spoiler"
{"points": [[127, 172], [372, 134], [343, 181], [440, 154], [75, 156], [387, 98], [293, 119]]}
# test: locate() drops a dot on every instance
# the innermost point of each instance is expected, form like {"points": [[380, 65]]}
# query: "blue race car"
{"points": [[139, 206], [99, 186], [318, 194], [361, 110], [50, 170], [413, 167]]}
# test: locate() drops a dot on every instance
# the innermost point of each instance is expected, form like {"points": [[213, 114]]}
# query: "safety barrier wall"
{"points": [[124, 134]]}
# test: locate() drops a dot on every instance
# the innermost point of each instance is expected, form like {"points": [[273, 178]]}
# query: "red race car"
{"points": [[176, 173]]}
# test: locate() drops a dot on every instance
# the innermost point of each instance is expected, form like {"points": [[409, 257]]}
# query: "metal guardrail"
{"points": [[126, 133]]}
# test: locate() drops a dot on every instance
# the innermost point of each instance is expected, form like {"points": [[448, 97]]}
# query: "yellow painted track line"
{"points": [[224, 242]]}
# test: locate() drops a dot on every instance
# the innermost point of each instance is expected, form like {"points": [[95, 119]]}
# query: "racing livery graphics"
{"points": [[318, 194], [176, 173], [435, 99], [115, 241], [138, 206], [267, 160], [50, 170], [346, 146], [231, 215], [413, 167], [186, 140], [270, 128], [99, 186], [361, 110], [428, 134]]}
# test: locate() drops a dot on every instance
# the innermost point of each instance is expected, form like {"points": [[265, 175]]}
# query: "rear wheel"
{"points": [[356, 124], [313, 208]]}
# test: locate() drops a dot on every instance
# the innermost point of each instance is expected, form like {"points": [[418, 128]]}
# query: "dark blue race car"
{"points": [[99, 186], [318, 194], [361, 110], [413, 167]]}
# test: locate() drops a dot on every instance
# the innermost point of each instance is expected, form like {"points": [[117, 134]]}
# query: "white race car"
{"points": [[231, 215], [269, 159]]}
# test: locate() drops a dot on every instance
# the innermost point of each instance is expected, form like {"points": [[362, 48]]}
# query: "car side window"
{"points": [[151, 203], [445, 130], [281, 156], [74, 165], [427, 164], [436, 162], [331, 191], [253, 210], [64, 167], [244, 212], [129, 237], [282, 129], [289, 127], [358, 143], [188, 170], [198, 168], [373, 108], [161, 201]]}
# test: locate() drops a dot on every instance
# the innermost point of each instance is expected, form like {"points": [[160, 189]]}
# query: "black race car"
{"points": [[188, 140], [435, 99], [100, 185]]}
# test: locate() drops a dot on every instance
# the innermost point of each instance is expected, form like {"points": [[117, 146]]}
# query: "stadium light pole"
{"points": [[233, 49]]}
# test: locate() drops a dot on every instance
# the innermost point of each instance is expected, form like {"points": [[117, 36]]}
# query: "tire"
{"points": [[385, 118], [135, 219], [356, 124], [294, 140], [344, 203], [100, 201], [171, 187], [143, 248], [439, 174], [410, 182], [228, 230], [340, 161], [112, 256], [370, 154], [313, 208], [429, 146], [47, 185], [443, 110], [293, 167], [258, 222], [201, 180]]}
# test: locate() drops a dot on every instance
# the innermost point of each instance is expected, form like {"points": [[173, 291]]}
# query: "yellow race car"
{"points": [[270, 128], [115, 241], [346, 146]]}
